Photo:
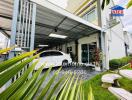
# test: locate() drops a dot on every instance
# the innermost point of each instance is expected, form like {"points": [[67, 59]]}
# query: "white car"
{"points": [[53, 58]]}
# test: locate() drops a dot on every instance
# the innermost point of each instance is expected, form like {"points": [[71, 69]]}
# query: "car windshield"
{"points": [[50, 53]]}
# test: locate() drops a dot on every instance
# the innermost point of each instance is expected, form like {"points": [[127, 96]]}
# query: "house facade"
{"points": [[117, 42], [95, 37]]}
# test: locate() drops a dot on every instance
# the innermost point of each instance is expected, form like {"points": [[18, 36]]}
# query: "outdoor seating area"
{"points": [[122, 94], [110, 81], [126, 73]]}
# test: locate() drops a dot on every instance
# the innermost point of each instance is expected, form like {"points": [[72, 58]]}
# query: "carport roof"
{"points": [[50, 17]]}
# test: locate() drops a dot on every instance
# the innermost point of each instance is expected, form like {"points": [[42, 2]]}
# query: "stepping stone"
{"points": [[126, 73], [110, 79], [120, 93]]}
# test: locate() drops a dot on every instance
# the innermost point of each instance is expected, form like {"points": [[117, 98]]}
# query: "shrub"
{"points": [[117, 63], [114, 64]]}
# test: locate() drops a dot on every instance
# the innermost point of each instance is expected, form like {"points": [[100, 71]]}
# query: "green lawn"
{"points": [[101, 93]]}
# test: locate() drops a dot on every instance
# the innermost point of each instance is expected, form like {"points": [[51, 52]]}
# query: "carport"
{"points": [[33, 21], [53, 19]]}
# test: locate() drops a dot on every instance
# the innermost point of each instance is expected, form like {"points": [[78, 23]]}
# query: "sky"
{"points": [[126, 19]]}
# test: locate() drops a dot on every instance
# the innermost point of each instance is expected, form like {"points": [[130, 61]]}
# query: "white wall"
{"points": [[128, 40], [116, 43], [115, 39]]}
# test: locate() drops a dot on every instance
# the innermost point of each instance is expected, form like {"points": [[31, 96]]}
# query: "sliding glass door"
{"points": [[88, 52]]}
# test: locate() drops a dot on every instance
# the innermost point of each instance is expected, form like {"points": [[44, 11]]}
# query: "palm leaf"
{"points": [[73, 90], [68, 90], [7, 64], [8, 74], [65, 88], [129, 4], [35, 88], [23, 90], [48, 85], [17, 84], [6, 50], [77, 93], [55, 97], [90, 94], [55, 87]]}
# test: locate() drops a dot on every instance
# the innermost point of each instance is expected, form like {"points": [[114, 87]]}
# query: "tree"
{"points": [[106, 2]]}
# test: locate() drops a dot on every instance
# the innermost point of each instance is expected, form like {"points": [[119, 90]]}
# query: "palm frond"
{"points": [[18, 83], [129, 4]]}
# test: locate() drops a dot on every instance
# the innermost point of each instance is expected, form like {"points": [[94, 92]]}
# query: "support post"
{"points": [[14, 26], [103, 47], [33, 27]]}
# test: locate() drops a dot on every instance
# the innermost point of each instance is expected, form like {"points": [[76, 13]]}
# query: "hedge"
{"points": [[117, 63]]}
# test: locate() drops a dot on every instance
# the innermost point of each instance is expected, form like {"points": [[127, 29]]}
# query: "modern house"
{"points": [[117, 42], [85, 31]]}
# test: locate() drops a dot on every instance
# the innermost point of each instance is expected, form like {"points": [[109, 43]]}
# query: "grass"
{"points": [[103, 94]]}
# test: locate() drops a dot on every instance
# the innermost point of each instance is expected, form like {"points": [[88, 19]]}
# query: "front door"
{"points": [[88, 52]]}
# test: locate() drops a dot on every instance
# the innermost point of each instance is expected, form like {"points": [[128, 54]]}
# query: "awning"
{"points": [[50, 19]]}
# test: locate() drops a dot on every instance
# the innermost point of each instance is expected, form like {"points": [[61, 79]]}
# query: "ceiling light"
{"points": [[57, 36], [42, 45]]}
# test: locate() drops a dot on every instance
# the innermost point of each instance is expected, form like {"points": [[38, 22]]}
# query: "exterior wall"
{"points": [[115, 38], [116, 43], [128, 41], [86, 40], [82, 8]]}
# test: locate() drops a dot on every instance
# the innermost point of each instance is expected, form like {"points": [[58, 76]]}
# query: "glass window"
{"points": [[90, 16]]}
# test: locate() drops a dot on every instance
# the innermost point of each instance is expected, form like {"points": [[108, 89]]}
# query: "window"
{"points": [[69, 49], [90, 16], [51, 53]]}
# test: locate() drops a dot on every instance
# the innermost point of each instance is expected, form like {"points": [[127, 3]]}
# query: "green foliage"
{"points": [[125, 84], [27, 85], [98, 91], [129, 4], [117, 63], [106, 2], [103, 94], [6, 50]]}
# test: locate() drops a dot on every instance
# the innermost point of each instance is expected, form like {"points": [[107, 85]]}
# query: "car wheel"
{"points": [[65, 63]]}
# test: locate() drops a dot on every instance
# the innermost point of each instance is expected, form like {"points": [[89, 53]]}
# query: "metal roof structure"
{"points": [[49, 19]]}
